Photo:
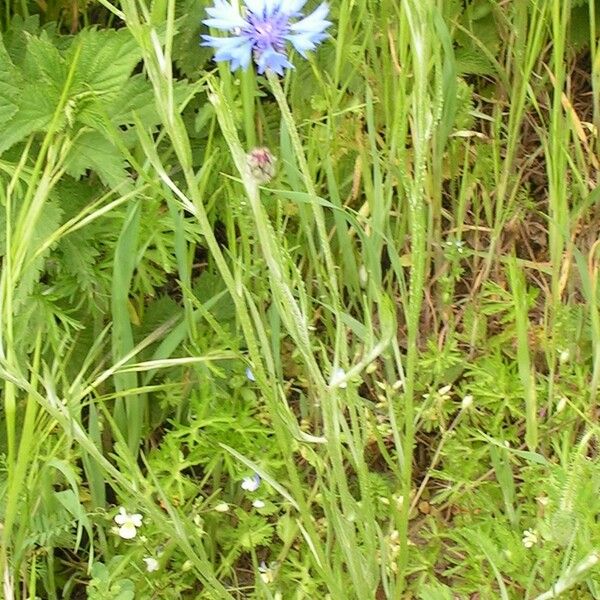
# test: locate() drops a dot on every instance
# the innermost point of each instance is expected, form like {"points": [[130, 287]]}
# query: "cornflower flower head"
{"points": [[262, 30], [262, 164]]}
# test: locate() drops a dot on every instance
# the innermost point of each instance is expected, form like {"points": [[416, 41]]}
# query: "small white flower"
{"points": [[564, 356], [337, 378], [457, 245], [151, 564], [222, 507], [251, 484], [258, 503], [267, 573], [440, 395], [250, 374], [530, 538], [562, 403], [467, 401], [443, 391], [363, 276], [128, 524]]}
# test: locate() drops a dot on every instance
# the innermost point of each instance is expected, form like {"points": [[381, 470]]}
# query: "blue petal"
{"points": [[314, 23], [223, 24], [256, 7], [274, 61], [272, 6], [292, 7], [237, 49], [241, 58], [224, 16], [302, 43]]}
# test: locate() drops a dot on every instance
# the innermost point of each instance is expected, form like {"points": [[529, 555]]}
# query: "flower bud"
{"points": [[261, 164]]}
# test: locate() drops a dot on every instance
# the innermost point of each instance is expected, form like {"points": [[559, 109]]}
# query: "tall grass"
{"points": [[415, 295]]}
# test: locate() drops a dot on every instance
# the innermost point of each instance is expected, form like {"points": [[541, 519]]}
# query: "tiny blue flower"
{"points": [[250, 374], [251, 484], [262, 30]]}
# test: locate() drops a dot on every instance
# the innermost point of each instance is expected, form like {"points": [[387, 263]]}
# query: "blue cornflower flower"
{"points": [[262, 29]]}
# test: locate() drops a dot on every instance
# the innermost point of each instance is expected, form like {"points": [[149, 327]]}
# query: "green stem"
{"points": [[316, 207], [248, 92], [419, 18]]}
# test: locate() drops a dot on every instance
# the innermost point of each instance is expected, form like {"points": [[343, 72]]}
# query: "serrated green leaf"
{"points": [[43, 63], [472, 62], [93, 151], [9, 85], [105, 63], [137, 97], [35, 91], [188, 55], [17, 35]]}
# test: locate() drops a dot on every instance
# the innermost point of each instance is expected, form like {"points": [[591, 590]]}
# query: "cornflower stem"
{"points": [[248, 88], [329, 409], [319, 216]]}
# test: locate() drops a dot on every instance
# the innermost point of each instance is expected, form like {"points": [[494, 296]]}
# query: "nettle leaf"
{"points": [[31, 90], [18, 33], [9, 86], [105, 62], [190, 58], [452, 9], [93, 150], [43, 63], [35, 90], [435, 591], [135, 96]]}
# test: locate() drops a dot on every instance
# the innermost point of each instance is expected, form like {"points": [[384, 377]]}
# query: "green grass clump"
{"points": [[372, 376]]}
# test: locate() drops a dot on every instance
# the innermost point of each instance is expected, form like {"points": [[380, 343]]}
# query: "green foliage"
{"points": [[103, 587], [379, 333]]}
